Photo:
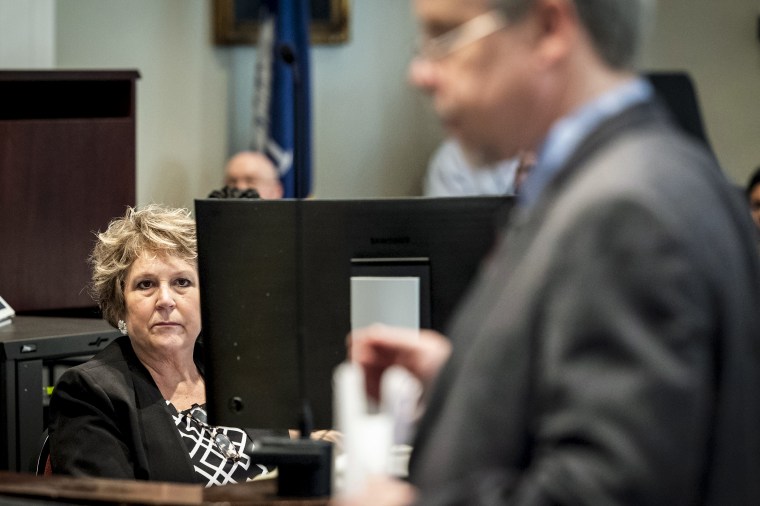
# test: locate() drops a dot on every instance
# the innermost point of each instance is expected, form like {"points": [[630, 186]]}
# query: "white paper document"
{"points": [[393, 301]]}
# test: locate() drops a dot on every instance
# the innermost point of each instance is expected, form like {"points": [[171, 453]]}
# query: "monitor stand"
{"points": [[304, 466]]}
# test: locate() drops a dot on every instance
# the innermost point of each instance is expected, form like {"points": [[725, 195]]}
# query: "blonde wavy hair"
{"points": [[155, 229]]}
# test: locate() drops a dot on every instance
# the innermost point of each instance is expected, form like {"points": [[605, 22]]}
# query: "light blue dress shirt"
{"points": [[566, 134]]}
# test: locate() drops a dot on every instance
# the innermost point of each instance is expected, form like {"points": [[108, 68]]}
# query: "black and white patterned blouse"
{"points": [[207, 455]]}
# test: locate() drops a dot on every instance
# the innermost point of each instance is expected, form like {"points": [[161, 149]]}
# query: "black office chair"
{"points": [[41, 464], [678, 92]]}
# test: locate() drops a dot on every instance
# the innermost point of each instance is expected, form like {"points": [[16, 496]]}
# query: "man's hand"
{"points": [[377, 347], [380, 491]]}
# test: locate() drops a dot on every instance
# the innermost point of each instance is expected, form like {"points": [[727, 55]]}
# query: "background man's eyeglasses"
{"points": [[479, 27]]}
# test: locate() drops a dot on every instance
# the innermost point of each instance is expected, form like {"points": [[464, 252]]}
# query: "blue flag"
{"points": [[282, 93]]}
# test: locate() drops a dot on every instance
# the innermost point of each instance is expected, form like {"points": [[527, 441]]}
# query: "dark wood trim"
{"points": [[329, 23]]}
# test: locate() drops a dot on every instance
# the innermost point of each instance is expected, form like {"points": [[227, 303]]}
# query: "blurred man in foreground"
{"points": [[608, 351]]}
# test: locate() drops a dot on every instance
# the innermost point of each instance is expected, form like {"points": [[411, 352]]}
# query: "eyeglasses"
{"points": [[479, 27], [220, 439]]}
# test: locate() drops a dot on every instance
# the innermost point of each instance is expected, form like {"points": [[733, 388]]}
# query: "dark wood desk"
{"points": [[66, 489], [26, 345]]}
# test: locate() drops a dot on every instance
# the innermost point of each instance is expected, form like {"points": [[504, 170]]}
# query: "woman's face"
{"points": [[162, 304]]}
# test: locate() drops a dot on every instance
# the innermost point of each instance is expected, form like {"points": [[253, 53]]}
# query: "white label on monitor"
{"points": [[6, 311], [387, 300]]}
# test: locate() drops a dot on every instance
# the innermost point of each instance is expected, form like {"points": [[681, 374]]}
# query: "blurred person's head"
{"points": [[753, 196], [500, 73], [253, 170]]}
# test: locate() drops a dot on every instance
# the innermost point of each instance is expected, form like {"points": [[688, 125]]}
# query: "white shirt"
{"points": [[450, 175]]}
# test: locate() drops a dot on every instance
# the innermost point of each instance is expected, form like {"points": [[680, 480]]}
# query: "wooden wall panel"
{"points": [[67, 166]]}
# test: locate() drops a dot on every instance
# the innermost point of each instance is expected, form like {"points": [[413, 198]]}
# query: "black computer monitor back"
{"points": [[275, 295]]}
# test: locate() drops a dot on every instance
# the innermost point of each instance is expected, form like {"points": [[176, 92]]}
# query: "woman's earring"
{"points": [[122, 327]]}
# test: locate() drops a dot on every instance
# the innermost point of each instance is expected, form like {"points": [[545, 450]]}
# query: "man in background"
{"points": [[450, 174], [609, 350], [249, 170]]}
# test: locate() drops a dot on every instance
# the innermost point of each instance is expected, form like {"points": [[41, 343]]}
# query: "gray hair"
{"points": [[616, 27], [153, 229]]}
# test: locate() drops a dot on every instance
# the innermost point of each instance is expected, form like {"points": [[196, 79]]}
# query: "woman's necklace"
{"points": [[220, 439]]}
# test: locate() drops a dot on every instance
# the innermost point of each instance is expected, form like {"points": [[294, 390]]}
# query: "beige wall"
{"points": [[372, 134], [27, 34], [182, 92], [717, 42]]}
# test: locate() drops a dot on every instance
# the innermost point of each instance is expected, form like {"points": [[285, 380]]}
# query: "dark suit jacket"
{"points": [[108, 419], [608, 353]]}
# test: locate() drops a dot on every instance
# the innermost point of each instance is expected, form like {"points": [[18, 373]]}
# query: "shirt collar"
{"points": [[566, 134]]}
